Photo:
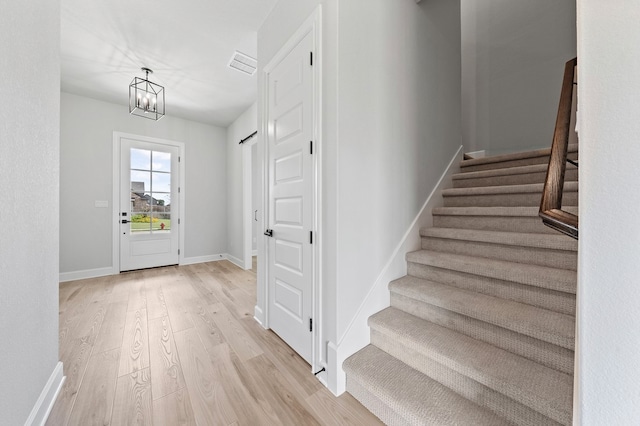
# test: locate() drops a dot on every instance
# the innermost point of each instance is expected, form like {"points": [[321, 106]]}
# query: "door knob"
{"points": [[269, 232]]}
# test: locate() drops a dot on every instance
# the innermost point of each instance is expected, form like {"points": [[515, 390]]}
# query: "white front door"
{"points": [[290, 197], [149, 204]]}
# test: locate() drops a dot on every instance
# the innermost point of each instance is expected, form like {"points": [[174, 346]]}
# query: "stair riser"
{"points": [[543, 298], [562, 280], [513, 163], [528, 224], [547, 354], [570, 198], [516, 179], [400, 395], [529, 255], [470, 388], [371, 402]]}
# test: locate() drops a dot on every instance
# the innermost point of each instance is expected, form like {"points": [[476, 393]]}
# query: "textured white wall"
{"points": [[242, 127], [86, 133], [608, 347], [391, 123], [29, 170], [513, 56]]}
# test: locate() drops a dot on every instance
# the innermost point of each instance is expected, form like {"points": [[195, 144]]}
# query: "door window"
{"points": [[150, 191]]}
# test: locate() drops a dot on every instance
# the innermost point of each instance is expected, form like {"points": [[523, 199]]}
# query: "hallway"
{"points": [[179, 345]]}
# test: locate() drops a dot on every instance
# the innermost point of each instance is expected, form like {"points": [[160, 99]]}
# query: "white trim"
{"points": [[87, 273], [477, 154], [103, 272], [318, 361], [257, 315], [357, 334], [203, 259], [313, 24], [115, 259], [40, 412], [254, 253], [238, 262], [247, 201]]}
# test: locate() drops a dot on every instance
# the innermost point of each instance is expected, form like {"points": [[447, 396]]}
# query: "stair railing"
{"points": [[551, 205]]}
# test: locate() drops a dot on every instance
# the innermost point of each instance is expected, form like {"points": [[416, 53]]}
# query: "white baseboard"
{"points": [[102, 272], [202, 259], [337, 381], [87, 273], [258, 315], [40, 412], [357, 334], [235, 261]]}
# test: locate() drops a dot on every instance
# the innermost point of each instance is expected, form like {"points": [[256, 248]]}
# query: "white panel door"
{"points": [[290, 198], [149, 204]]}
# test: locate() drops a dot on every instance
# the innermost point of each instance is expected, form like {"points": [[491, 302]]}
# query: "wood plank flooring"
{"points": [[179, 346]]}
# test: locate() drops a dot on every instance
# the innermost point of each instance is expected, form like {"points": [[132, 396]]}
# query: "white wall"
{"points": [[242, 127], [256, 194], [86, 133], [608, 345], [29, 170], [391, 123], [513, 56], [399, 103]]}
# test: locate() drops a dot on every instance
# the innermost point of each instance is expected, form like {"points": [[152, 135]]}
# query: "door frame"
{"points": [[247, 201], [115, 245], [313, 25]]}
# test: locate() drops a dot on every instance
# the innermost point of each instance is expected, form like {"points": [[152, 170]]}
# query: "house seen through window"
{"points": [[150, 191]]}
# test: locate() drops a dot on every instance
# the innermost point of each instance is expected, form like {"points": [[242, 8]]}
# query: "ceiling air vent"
{"points": [[243, 63]]}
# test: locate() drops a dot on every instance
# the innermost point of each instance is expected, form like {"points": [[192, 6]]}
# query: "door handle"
{"points": [[269, 232], [125, 221], [255, 215]]}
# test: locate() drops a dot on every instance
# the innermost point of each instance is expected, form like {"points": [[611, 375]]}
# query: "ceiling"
{"points": [[188, 44]]}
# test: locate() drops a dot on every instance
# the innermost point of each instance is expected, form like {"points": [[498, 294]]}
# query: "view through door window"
{"points": [[150, 191]]}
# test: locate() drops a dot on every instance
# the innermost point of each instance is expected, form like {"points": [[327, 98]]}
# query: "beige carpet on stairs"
{"points": [[481, 330]]}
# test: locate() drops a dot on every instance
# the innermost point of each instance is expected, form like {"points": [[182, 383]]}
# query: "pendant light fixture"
{"points": [[146, 99]]}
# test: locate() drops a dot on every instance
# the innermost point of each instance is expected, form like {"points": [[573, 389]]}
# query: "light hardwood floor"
{"points": [[179, 346]]}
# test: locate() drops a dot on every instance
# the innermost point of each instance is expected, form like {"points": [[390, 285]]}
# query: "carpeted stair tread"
{"points": [[543, 389], [540, 276], [545, 241], [521, 211], [552, 300], [512, 157], [504, 189], [517, 170], [545, 353], [398, 394], [505, 195], [535, 173], [548, 326], [497, 218]]}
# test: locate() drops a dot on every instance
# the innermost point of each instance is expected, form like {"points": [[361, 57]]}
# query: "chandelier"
{"points": [[146, 98]]}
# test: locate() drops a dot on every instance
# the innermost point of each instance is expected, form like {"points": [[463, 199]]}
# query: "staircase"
{"points": [[481, 330]]}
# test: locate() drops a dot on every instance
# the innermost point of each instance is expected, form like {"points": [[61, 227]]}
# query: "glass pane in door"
{"points": [[140, 159], [150, 191], [161, 161], [162, 212]]}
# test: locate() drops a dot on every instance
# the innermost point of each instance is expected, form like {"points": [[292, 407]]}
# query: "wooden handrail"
{"points": [[551, 205]]}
